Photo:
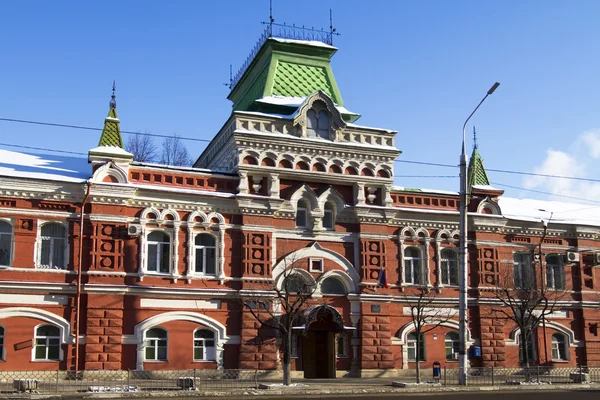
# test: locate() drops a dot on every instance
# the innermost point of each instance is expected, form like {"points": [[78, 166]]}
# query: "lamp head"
{"points": [[493, 88]]}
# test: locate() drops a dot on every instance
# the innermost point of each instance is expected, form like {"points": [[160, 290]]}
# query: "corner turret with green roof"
{"points": [[282, 73], [110, 145]]}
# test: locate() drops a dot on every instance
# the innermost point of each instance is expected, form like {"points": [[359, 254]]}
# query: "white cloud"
{"points": [[577, 161]]}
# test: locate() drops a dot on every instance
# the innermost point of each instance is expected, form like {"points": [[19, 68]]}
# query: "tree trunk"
{"points": [[418, 356], [287, 346]]}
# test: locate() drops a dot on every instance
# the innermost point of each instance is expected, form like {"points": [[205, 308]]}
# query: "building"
{"points": [[116, 264]]}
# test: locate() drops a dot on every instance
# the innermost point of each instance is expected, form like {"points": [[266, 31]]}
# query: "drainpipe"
{"points": [[79, 271]]}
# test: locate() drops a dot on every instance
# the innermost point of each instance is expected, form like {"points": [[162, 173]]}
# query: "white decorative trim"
{"points": [[35, 299], [315, 250], [342, 276], [65, 327], [515, 335], [180, 304], [219, 329], [110, 169]]}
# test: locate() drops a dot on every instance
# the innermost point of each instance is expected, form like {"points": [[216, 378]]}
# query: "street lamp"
{"points": [[462, 270]]}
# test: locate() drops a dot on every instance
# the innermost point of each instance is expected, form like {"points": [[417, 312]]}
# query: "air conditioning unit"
{"points": [[596, 258], [572, 256], [134, 230]]}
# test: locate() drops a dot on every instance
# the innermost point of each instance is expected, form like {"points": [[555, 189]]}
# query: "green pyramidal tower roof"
{"points": [[476, 174], [111, 134], [281, 73]]}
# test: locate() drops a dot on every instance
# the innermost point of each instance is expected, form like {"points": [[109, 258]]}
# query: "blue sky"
{"points": [[415, 67]]}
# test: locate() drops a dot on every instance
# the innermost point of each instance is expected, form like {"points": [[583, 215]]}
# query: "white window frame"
{"points": [[209, 353], [411, 260], [40, 244], [453, 344], [319, 131], [524, 270], [158, 258], [204, 257], [46, 343], [305, 209], [411, 344], [333, 294], [319, 261], [329, 215], [556, 346], [10, 242], [551, 273], [343, 339], [153, 342], [446, 266]]}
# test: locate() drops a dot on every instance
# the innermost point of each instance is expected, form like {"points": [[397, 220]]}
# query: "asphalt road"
{"points": [[487, 395]]}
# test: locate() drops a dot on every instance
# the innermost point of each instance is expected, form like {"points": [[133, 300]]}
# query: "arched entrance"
{"points": [[323, 323]]}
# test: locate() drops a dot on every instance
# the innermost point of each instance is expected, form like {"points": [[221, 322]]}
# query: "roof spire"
{"points": [[111, 134], [476, 174], [113, 101]]}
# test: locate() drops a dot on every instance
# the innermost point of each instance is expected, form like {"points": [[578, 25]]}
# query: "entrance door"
{"points": [[319, 354]]}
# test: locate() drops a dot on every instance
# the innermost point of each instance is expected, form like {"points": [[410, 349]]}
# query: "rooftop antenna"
{"points": [[113, 101], [474, 138], [230, 83]]}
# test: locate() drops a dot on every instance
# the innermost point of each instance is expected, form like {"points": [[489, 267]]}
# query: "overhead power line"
{"points": [[542, 192], [432, 164], [89, 128]]}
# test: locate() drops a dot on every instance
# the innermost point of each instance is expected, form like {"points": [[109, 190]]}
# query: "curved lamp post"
{"points": [[462, 270]]}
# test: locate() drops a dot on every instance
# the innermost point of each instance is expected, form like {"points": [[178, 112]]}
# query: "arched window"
{"points": [[559, 347], [317, 124], [159, 252], [5, 243], [204, 345], [53, 248], [449, 266], [411, 347], [333, 285], [206, 254], [295, 283], [328, 217], [555, 273], [523, 271], [451, 341], [302, 214], [47, 343], [413, 272], [156, 344], [2, 355]]}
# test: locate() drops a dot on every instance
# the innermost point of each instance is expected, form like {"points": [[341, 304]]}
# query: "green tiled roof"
{"points": [[477, 174], [111, 134], [299, 80], [286, 70]]}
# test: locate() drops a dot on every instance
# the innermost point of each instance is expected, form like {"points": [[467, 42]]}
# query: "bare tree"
{"points": [[175, 153], [142, 146], [523, 298], [426, 316], [281, 305]]}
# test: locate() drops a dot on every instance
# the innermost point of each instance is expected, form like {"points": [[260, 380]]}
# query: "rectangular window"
{"points": [[555, 275], [294, 349], [342, 346], [412, 271], [328, 219], [412, 347], [5, 245], [316, 265], [47, 349], [523, 271]]}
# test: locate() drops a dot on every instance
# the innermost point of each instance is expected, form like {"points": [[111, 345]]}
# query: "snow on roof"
{"points": [[371, 128], [295, 102], [307, 42], [44, 166], [111, 150], [538, 210], [425, 191], [485, 187]]}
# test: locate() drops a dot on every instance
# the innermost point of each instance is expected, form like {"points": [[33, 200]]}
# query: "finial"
{"points": [[113, 101], [474, 138]]}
